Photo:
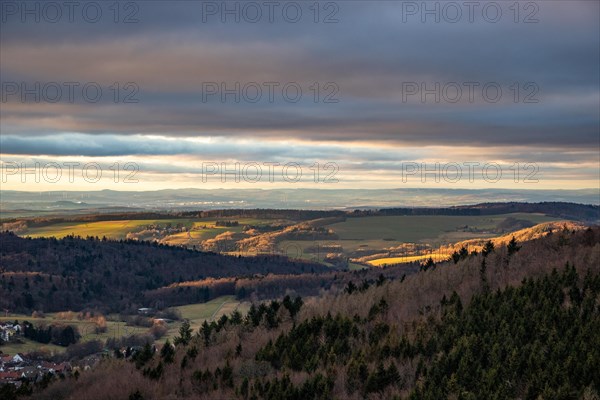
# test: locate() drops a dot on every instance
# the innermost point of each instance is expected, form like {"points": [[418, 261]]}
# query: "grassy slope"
{"points": [[196, 313], [110, 229], [211, 310], [206, 310], [385, 232], [521, 235], [200, 229], [422, 228], [86, 329]]}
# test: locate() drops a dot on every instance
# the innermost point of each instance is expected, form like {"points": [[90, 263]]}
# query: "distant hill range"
{"points": [[587, 213], [572, 211], [19, 203]]}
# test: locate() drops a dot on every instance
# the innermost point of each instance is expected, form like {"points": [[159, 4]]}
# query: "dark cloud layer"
{"points": [[370, 54]]}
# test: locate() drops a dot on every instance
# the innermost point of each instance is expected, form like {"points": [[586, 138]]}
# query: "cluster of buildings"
{"points": [[8, 330], [17, 369]]}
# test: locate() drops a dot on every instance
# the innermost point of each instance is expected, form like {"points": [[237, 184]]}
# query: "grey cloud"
{"points": [[369, 54]]}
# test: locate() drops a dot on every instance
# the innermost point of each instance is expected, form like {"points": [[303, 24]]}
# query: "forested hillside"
{"points": [[74, 273], [521, 321]]}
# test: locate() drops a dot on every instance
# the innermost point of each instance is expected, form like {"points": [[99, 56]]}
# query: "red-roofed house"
{"points": [[10, 375]]}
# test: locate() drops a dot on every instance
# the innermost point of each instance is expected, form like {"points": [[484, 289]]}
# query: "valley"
{"points": [[94, 291], [336, 239]]}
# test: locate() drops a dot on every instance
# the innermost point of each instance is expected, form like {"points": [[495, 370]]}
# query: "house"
{"points": [[10, 377], [47, 366], [162, 321], [6, 333], [9, 330], [17, 358], [29, 373], [62, 368], [54, 368], [145, 310]]}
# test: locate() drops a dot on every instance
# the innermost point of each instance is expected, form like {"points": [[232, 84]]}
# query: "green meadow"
{"points": [[86, 329], [383, 232], [432, 229], [195, 313], [199, 228], [209, 311]]}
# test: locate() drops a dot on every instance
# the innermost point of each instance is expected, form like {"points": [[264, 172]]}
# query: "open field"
{"points": [[399, 260], [205, 229], [195, 237], [211, 310], [199, 228], [386, 234], [374, 232], [115, 329], [371, 240], [110, 229], [433, 229], [202, 311], [28, 346], [85, 327], [195, 313]]}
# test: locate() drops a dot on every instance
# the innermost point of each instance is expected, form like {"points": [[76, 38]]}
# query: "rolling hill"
{"points": [[55, 275]]}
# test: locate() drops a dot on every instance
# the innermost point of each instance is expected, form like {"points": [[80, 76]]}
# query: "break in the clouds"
{"points": [[380, 77]]}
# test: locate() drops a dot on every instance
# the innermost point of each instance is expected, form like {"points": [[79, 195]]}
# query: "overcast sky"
{"points": [[379, 89]]}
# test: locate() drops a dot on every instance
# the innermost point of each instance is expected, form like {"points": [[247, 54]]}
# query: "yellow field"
{"points": [[399, 260], [196, 236], [110, 229], [199, 229]]}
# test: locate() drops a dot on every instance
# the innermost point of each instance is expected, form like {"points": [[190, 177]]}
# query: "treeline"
{"points": [[35, 222], [272, 285], [563, 210], [226, 223], [293, 214], [62, 335], [112, 276]]}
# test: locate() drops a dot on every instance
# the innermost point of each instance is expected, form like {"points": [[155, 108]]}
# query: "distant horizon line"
{"points": [[305, 188]]}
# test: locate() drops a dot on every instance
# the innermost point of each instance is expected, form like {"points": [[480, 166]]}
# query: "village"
{"points": [[18, 368], [32, 368]]}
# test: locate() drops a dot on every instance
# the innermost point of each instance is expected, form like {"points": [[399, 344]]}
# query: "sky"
{"points": [[143, 95]]}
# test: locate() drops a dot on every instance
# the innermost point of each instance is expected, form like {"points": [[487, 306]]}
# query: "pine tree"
{"points": [[185, 334], [167, 353], [206, 332], [488, 248], [142, 357], [512, 246]]}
